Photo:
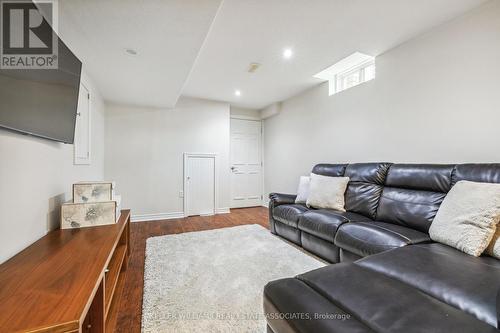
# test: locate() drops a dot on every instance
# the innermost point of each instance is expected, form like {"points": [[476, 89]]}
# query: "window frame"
{"points": [[340, 77]]}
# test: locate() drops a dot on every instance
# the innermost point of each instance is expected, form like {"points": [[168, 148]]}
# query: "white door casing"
{"points": [[246, 163], [200, 184], [82, 128]]}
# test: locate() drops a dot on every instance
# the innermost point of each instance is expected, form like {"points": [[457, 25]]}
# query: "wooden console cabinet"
{"points": [[65, 281]]}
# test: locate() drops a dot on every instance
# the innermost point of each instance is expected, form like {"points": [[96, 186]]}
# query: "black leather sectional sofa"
{"points": [[388, 276]]}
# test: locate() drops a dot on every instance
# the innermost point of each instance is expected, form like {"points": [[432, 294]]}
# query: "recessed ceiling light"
{"points": [[237, 93], [131, 51], [287, 53]]}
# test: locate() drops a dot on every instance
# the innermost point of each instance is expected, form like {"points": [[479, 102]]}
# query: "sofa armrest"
{"points": [[277, 199], [282, 199]]}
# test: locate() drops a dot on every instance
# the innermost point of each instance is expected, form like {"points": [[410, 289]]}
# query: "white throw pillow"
{"points": [[327, 192], [303, 190], [494, 247], [468, 217]]}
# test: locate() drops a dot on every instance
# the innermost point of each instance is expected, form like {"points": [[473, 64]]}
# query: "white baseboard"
{"points": [[265, 204], [224, 210], [154, 217], [169, 216]]}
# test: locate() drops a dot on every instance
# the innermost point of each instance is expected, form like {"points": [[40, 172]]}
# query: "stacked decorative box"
{"points": [[93, 204]]}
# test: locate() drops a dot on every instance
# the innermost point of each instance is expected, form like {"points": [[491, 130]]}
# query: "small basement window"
{"points": [[349, 72]]}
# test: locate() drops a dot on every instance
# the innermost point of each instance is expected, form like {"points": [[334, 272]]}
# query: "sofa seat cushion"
{"points": [[353, 217], [324, 249], [367, 238], [385, 304], [323, 223], [291, 305], [289, 214], [463, 281]]}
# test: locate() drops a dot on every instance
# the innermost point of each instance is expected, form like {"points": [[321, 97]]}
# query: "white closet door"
{"points": [[200, 185], [246, 163]]}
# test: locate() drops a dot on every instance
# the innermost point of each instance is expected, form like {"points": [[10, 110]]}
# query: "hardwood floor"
{"points": [[125, 315]]}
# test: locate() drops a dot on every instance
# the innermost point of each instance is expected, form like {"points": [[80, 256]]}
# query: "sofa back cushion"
{"points": [[404, 194], [330, 170], [413, 193], [423, 177], [482, 173], [365, 187]]}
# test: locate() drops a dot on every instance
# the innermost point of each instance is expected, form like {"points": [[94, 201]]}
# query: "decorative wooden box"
{"points": [[79, 215], [84, 192]]}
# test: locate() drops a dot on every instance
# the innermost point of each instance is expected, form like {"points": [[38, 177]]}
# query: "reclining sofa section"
{"points": [[387, 206], [411, 284]]}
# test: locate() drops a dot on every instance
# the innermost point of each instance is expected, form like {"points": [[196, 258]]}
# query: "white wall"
{"points": [[435, 99], [36, 177], [145, 147], [245, 113]]}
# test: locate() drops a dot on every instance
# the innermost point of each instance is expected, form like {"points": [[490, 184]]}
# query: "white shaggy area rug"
{"points": [[212, 281]]}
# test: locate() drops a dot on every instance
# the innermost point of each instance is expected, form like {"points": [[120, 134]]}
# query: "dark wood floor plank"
{"points": [[127, 310]]}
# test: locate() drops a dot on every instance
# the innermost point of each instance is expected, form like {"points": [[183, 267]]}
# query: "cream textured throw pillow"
{"points": [[468, 217], [303, 190], [494, 247], [327, 192]]}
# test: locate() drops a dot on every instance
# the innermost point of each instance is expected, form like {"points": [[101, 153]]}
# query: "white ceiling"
{"points": [[320, 32], [169, 34]]}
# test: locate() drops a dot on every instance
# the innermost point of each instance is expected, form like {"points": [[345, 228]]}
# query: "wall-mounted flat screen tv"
{"points": [[42, 102]]}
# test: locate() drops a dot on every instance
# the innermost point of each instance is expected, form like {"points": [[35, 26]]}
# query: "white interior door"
{"points": [[246, 163], [199, 185]]}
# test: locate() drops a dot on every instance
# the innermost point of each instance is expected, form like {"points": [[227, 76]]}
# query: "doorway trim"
{"points": [[216, 179], [242, 117]]}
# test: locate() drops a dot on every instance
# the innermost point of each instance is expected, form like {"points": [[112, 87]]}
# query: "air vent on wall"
{"points": [[253, 67]]}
